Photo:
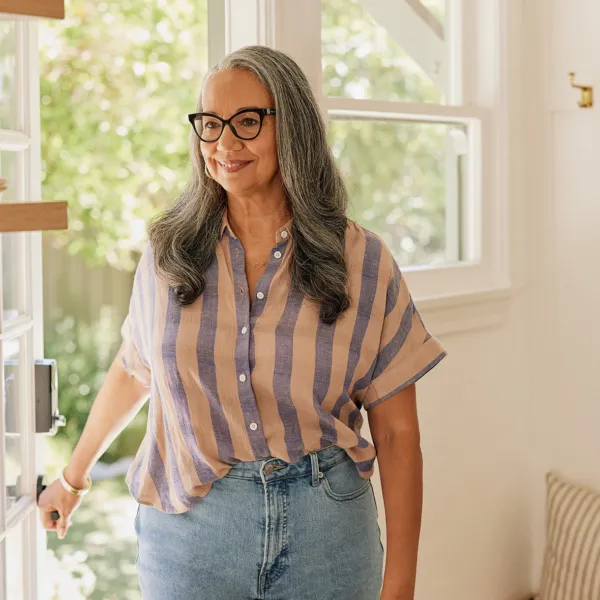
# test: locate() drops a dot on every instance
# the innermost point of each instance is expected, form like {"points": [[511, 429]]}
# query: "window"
{"points": [[414, 95], [408, 187], [407, 60]]}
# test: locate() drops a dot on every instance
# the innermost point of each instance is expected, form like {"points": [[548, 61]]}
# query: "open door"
{"points": [[26, 389]]}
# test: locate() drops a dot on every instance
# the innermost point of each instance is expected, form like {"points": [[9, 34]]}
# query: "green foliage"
{"points": [[399, 194], [361, 60], [117, 81], [395, 171], [96, 559], [84, 353]]}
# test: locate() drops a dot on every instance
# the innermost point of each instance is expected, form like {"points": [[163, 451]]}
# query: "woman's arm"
{"points": [[119, 399], [395, 431]]}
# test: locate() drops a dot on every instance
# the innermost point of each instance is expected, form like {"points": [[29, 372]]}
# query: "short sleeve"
{"points": [[407, 351], [136, 329]]}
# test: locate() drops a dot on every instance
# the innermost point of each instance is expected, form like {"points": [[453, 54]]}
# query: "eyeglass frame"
{"points": [[262, 112]]}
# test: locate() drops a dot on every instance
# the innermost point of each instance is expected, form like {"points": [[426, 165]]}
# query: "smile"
{"points": [[232, 166]]}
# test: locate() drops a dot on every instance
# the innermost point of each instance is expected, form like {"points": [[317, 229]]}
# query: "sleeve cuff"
{"points": [[404, 374]]}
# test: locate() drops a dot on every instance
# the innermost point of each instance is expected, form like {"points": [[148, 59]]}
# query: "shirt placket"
{"points": [[247, 315]]}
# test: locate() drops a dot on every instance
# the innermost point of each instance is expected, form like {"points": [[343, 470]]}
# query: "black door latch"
{"points": [[54, 515]]}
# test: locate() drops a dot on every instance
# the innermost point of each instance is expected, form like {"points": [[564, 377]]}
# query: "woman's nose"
{"points": [[228, 141]]}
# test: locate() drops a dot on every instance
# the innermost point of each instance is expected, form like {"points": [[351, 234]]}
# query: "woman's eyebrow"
{"points": [[211, 112]]}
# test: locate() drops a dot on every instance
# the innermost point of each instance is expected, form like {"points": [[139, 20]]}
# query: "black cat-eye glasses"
{"points": [[245, 124]]}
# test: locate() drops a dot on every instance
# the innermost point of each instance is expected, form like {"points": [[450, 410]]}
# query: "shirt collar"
{"points": [[284, 233]]}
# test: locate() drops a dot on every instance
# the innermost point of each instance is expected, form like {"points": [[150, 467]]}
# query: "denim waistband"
{"points": [[268, 469]]}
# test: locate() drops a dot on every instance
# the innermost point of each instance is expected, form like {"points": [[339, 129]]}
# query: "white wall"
{"points": [[475, 541], [474, 415], [511, 403], [564, 220], [476, 410]]}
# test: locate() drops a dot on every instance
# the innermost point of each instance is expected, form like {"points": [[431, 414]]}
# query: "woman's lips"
{"points": [[232, 166]]}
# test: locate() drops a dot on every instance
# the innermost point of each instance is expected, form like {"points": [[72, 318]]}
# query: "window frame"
{"points": [[452, 297]]}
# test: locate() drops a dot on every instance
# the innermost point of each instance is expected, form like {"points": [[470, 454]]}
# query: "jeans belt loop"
{"points": [[316, 474]]}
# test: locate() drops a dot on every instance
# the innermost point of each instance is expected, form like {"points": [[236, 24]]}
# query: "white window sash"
{"points": [[479, 78]]}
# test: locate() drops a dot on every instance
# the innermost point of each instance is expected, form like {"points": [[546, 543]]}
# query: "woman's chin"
{"points": [[236, 187]]}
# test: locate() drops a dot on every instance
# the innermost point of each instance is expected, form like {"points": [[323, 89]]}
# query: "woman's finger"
{"points": [[46, 517], [62, 527]]}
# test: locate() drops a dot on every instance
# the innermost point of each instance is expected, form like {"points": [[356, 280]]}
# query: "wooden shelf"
{"points": [[33, 216], [53, 9]]}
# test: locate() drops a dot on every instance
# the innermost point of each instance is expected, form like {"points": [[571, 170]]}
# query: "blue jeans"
{"points": [[268, 530]]}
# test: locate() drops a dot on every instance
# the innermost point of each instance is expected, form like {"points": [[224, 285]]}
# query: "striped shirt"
{"points": [[232, 380]]}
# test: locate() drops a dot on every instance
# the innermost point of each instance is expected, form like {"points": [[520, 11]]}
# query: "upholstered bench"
{"points": [[571, 567]]}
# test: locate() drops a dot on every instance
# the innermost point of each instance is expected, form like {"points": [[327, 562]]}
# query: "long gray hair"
{"points": [[185, 235]]}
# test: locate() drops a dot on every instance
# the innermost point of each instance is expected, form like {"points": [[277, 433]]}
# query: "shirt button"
{"points": [[284, 234], [253, 426], [242, 377], [277, 254], [260, 295], [244, 329]]}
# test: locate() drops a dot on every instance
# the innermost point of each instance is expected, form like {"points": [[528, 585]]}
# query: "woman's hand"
{"points": [[55, 497]]}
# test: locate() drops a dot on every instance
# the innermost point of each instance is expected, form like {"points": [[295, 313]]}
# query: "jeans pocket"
{"points": [[343, 482]]}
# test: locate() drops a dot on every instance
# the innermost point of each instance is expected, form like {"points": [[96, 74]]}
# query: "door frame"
{"points": [[25, 139]]}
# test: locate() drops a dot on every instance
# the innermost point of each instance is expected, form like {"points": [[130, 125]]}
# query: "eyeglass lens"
{"points": [[246, 125]]}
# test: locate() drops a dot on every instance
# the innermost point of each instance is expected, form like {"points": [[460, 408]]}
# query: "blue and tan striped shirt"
{"points": [[232, 380]]}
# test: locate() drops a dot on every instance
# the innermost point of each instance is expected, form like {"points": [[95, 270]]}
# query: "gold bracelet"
{"points": [[71, 489]]}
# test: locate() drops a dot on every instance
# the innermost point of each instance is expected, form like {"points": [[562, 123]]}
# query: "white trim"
{"points": [[499, 150], [454, 35], [267, 22], [13, 140], [426, 15], [16, 17], [20, 67], [3, 590], [216, 26], [28, 326], [475, 227], [459, 313], [453, 164], [249, 22], [36, 574], [298, 34], [18, 513], [387, 109], [3, 529]]}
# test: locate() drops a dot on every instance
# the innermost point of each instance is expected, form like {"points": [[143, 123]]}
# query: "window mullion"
{"points": [[287, 25], [297, 32]]}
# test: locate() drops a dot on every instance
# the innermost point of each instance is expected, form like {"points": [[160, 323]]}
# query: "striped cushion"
{"points": [[571, 569]]}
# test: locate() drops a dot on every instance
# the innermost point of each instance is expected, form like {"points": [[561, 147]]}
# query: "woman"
{"points": [[261, 320]]}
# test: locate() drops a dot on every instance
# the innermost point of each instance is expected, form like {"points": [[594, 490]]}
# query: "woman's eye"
{"points": [[248, 122]]}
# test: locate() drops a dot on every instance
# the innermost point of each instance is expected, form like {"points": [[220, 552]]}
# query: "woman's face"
{"points": [[224, 95]]}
